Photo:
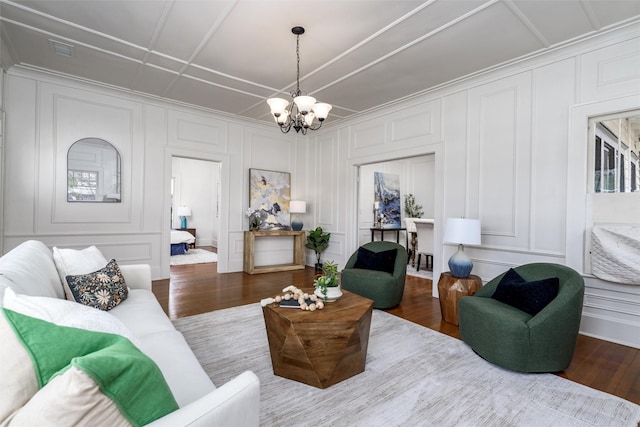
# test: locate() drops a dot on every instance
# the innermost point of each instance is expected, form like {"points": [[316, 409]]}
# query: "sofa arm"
{"points": [[137, 276], [236, 403]]}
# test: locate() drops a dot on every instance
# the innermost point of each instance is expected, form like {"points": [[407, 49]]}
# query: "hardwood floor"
{"points": [[198, 288]]}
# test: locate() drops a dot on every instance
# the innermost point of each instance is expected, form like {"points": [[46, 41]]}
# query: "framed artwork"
{"points": [[387, 198], [269, 197]]}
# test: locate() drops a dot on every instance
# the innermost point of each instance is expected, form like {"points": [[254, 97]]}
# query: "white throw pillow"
{"points": [[67, 313], [72, 262]]}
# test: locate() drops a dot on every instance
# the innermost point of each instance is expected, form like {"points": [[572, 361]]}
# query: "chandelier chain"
{"points": [[298, 64]]}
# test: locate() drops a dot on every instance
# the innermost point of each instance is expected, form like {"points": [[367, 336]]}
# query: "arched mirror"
{"points": [[93, 172]]}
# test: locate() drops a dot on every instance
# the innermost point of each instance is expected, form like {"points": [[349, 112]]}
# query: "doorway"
{"points": [[415, 177], [195, 190]]}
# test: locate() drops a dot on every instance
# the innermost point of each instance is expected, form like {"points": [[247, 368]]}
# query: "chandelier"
{"points": [[303, 112]]}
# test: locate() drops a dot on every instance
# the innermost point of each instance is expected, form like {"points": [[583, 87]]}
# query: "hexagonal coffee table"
{"points": [[323, 347]]}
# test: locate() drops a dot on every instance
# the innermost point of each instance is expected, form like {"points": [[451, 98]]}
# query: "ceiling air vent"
{"points": [[60, 48]]}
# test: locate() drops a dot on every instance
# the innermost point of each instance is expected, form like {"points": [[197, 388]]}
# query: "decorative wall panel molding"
{"points": [[67, 116], [610, 72], [498, 159], [199, 133]]}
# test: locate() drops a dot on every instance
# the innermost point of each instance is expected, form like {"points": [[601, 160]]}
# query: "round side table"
{"points": [[451, 289]]}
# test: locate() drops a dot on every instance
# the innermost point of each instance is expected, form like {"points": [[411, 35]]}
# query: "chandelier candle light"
{"points": [[297, 207], [462, 231], [300, 113]]}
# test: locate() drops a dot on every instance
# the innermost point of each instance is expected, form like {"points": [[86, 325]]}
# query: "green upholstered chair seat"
{"points": [[385, 289], [515, 340]]}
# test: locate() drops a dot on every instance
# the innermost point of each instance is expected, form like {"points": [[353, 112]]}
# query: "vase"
{"points": [[333, 293]]}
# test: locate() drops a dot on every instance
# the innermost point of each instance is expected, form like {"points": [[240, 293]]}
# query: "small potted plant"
{"points": [[318, 241], [411, 208], [327, 285]]}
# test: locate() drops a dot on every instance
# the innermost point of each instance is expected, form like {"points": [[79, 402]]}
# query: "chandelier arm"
{"points": [[318, 127]]}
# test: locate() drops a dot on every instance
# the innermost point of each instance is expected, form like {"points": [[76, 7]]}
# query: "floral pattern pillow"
{"points": [[102, 289]]}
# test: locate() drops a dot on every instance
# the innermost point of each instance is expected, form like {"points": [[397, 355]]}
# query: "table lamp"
{"points": [[462, 231], [297, 207], [183, 212]]}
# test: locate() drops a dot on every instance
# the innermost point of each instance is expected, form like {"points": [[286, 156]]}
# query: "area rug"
{"points": [[194, 256], [424, 273], [414, 376]]}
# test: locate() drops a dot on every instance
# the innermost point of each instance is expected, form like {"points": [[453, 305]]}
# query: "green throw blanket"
{"points": [[126, 375]]}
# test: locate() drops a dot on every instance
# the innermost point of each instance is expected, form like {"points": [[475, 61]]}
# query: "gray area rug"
{"points": [[423, 272], [414, 377], [194, 256]]}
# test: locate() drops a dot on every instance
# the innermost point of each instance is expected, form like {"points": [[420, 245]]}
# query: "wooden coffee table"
{"points": [[323, 347]]}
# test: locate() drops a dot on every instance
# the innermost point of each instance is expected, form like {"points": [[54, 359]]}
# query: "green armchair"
{"points": [[384, 288], [516, 340]]}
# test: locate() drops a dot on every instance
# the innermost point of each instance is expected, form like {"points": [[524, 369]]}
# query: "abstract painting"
{"points": [[387, 194], [269, 196]]}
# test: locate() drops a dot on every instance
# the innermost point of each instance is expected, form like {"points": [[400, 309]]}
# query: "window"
{"points": [[83, 185], [615, 154]]}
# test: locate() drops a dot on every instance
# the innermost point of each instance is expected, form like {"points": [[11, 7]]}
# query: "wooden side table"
{"points": [[323, 347], [451, 289]]}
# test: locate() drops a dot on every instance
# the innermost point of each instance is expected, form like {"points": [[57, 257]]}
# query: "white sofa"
{"points": [[29, 269]]}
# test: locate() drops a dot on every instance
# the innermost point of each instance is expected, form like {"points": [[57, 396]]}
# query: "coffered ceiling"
{"points": [[230, 55]]}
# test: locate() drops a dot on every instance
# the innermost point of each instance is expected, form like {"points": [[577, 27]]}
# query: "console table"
{"points": [[381, 230], [249, 251]]}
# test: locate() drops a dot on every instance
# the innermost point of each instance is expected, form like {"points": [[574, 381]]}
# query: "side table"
{"points": [[451, 289], [323, 347]]}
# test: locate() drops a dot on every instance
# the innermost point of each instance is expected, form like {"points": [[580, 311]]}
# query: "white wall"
{"points": [[47, 114], [508, 149]]}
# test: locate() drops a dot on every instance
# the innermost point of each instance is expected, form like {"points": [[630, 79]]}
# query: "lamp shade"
{"points": [[278, 106], [297, 206], [304, 103], [462, 231], [183, 211], [321, 110]]}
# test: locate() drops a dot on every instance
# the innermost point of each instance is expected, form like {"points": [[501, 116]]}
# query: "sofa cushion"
{"points": [[120, 370], [159, 340], [67, 313], [530, 297], [72, 262], [29, 269], [103, 289], [187, 380], [379, 261], [142, 314], [72, 398], [18, 380]]}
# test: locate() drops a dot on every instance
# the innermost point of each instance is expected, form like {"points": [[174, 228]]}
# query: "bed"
{"points": [[180, 241]]}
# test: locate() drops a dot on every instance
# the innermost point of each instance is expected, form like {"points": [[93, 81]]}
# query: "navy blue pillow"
{"points": [[380, 261], [530, 297]]}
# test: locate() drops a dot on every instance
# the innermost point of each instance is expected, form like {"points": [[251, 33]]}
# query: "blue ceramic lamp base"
{"points": [[183, 222], [460, 264], [296, 225]]}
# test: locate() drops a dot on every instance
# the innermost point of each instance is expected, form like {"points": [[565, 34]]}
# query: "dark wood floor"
{"points": [[198, 288]]}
